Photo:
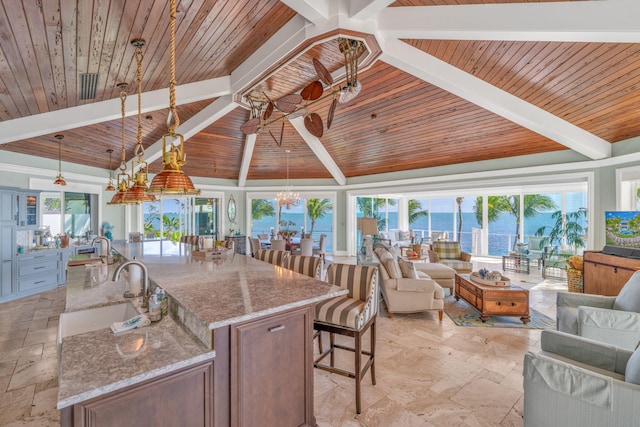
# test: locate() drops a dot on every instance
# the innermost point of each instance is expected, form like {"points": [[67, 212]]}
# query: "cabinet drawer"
{"points": [[45, 255], [37, 282], [507, 306], [45, 266]]}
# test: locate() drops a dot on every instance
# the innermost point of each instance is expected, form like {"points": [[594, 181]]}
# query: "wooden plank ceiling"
{"points": [[398, 122]]}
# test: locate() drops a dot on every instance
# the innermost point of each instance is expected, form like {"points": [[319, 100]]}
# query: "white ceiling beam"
{"points": [[247, 154], [285, 40], [212, 112], [582, 21], [364, 9], [318, 149], [453, 80], [314, 11], [98, 112]]}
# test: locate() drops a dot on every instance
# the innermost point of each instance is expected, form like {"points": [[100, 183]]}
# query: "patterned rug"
{"points": [[463, 314]]}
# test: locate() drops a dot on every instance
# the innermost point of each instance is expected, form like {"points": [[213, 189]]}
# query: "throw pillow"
{"points": [[408, 269], [629, 297], [393, 268], [404, 235], [632, 371], [447, 250]]}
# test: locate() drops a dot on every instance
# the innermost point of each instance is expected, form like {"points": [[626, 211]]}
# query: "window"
{"points": [[171, 218]]}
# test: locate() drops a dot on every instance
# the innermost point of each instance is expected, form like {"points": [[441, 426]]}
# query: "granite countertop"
{"points": [[203, 295], [98, 362], [206, 295], [41, 250]]}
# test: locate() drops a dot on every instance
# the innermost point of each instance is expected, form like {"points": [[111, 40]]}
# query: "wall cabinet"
{"points": [[180, 398], [28, 206], [7, 257], [607, 274]]}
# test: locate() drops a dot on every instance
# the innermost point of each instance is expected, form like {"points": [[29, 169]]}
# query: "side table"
{"points": [[516, 262]]}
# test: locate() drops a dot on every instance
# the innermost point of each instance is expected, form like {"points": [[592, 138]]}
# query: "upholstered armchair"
{"points": [[575, 381], [613, 320], [451, 255], [408, 292]]}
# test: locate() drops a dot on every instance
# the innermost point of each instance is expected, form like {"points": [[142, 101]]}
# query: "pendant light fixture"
{"points": [[110, 186], [137, 193], [123, 179], [287, 197], [59, 179], [172, 180]]}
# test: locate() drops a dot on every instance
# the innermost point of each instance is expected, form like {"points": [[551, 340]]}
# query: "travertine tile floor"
{"points": [[428, 373]]}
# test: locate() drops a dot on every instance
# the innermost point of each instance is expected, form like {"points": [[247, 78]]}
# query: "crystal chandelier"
{"points": [[287, 197]]}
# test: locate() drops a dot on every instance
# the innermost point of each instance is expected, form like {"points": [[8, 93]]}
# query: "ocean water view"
{"points": [[502, 232]]}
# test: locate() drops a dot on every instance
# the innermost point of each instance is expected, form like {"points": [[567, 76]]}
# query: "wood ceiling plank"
{"points": [[53, 28]]}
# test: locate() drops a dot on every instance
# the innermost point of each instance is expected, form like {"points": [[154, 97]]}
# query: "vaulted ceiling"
{"points": [[443, 81]]}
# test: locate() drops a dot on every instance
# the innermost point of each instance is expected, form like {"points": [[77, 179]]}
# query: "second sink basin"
{"points": [[92, 319]]}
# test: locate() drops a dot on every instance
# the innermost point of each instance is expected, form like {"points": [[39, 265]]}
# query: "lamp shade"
{"points": [[368, 226]]}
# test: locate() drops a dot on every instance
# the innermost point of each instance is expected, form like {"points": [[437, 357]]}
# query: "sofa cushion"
{"points": [[393, 268], [632, 373], [447, 250], [629, 297], [408, 269]]}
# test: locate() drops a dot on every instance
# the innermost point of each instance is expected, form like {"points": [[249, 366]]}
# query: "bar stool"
{"points": [[350, 315]]}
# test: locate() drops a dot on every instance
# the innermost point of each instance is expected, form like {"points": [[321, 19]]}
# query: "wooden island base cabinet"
{"points": [[180, 398], [264, 371]]}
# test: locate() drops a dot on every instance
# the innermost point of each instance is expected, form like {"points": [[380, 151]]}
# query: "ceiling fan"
{"points": [[294, 105]]}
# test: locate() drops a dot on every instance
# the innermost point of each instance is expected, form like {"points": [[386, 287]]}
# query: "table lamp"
{"points": [[368, 227]]}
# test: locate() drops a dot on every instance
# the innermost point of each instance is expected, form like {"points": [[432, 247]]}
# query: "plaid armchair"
{"points": [[451, 255]]}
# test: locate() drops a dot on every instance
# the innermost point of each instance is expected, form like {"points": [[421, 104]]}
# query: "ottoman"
{"points": [[440, 273]]}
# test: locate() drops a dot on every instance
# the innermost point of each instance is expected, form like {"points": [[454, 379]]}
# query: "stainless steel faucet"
{"points": [[145, 280], [97, 239]]}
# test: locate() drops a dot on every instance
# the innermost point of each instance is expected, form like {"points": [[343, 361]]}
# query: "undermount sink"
{"points": [[92, 319]]}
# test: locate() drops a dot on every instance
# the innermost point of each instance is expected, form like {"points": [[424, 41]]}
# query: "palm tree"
{"points": [[415, 212], [261, 208], [170, 224], [317, 209], [534, 204], [369, 206]]}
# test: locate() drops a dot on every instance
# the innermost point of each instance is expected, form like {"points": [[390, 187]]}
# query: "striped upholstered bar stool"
{"points": [[271, 256], [350, 315], [308, 265]]}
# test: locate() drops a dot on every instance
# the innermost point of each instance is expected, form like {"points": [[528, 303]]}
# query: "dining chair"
{"points": [[271, 256], [278, 244], [322, 247], [255, 245], [306, 247], [263, 236], [350, 315]]}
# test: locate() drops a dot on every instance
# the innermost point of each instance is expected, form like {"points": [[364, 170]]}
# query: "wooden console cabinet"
{"points": [[607, 274]]}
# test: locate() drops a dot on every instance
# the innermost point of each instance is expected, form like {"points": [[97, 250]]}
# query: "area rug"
{"points": [[463, 314]]}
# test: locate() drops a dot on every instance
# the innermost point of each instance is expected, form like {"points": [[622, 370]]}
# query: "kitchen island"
{"points": [[251, 320]]}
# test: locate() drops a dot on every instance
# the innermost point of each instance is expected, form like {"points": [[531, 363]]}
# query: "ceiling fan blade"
{"points": [[281, 133], [285, 107], [332, 110], [294, 98], [313, 123], [250, 126], [312, 91], [322, 72], [268, 111]]}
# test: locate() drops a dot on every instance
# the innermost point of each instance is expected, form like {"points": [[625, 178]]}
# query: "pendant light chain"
{"points": [[139, 150], [173, 121]]}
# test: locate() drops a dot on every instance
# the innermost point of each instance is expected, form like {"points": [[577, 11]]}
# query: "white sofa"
{"points": [[407, 294], [609, 319], [576, 381], [397, 237]]}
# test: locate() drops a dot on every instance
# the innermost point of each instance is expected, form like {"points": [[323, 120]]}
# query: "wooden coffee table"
{"points": [[493, 300]]}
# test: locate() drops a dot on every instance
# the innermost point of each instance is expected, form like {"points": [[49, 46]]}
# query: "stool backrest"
{"points": [[308, 265], [271, 256]]}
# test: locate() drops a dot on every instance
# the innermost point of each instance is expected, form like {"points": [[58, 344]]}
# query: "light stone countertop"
{"points": [[94, 363], [206, 295], [203, 295]]}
